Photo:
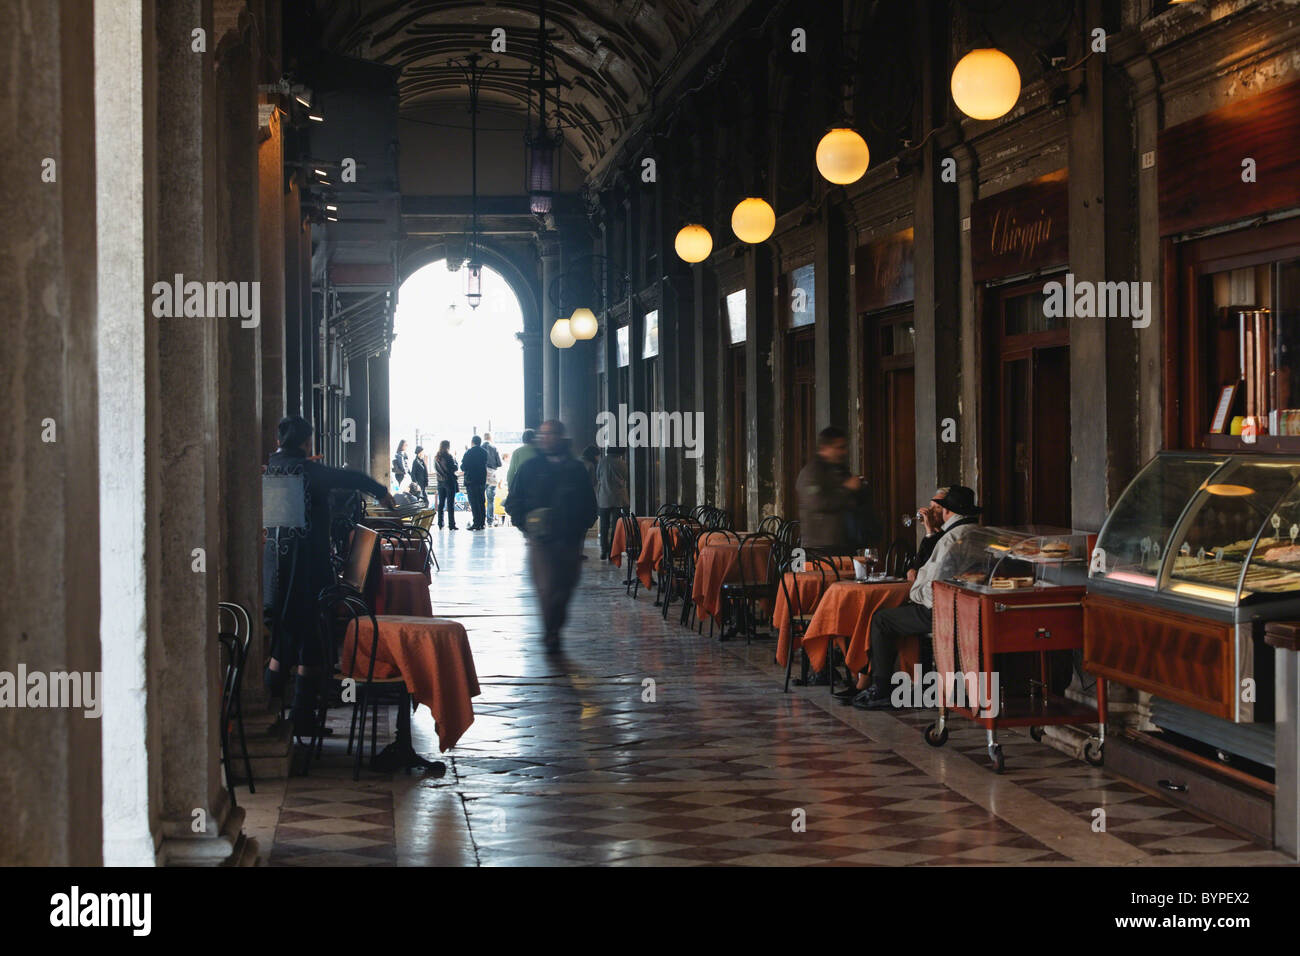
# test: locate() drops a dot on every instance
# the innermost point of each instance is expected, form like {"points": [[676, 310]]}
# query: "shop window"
{"points": [[624, 349], [736, 317], [650, 347], [800, 298]]}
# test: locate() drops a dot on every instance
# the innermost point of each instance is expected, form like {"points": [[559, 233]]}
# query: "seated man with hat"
{"points": [[913, 617]]}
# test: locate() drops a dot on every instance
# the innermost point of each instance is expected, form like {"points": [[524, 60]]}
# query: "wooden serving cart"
{"points": [[973, 623]]}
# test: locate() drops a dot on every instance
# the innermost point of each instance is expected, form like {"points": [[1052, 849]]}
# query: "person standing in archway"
{"points": [[493, 463], [445, 467], [474, 465]]}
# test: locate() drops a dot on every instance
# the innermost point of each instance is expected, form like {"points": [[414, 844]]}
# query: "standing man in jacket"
{"points": [[296, 568], [829, 497], [611, 494], [493, 463], [473, 465], [551, 501]]}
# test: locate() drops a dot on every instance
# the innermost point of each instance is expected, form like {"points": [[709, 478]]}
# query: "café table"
{"points": [[811, 584], [844, 613], [433, 657], [719, 563], [403, 592]]}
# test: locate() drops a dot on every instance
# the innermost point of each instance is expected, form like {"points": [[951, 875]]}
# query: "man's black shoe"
{"points": [[873, 698], [847, 694]]}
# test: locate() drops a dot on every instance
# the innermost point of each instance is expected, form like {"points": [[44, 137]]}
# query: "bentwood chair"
{"points": [[800, 616], [342, 609], [415, 536], [680, 536], [771, 524], [898, 557], [632, 546], [234, 648], [740, 597]]}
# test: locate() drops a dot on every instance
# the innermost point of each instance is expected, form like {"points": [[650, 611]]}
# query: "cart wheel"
{"points": [[1036, 733], [1093, 752], [933, 739], [995, 754]]}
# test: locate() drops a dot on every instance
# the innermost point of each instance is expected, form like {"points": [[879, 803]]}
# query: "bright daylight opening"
{"points": [[455, 372]]}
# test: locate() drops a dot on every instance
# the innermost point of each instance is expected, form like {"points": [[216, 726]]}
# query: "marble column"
{"points": [[124, 150], [240, 375], [760, 386], [197, 821], [50, 802], [706, 392]]}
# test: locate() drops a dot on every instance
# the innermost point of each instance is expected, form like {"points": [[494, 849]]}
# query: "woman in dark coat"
{"points": [[444, 467]]}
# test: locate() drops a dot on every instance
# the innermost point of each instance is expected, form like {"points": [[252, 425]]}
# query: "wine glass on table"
{"points": [[871, 559]]}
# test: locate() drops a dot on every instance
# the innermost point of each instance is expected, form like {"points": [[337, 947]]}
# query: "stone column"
{"points": [[1103, 441], [760, 385], [240, 375], [293, 304], [706, 373], [124, 134], [937, 274], [833, 319], [198, 822], [550, 252], [51, 802], [381, 455], [358, 409], [271, 237]]}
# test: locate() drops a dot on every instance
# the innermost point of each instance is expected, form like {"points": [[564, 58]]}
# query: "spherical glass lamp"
{"points": [[753, 220], [561, 334], [693, 243], [985, 84], [842, 156], [583, 325]]}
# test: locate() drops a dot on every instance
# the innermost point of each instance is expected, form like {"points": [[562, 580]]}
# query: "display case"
{"points": [[1199, 551], [996, 560]]}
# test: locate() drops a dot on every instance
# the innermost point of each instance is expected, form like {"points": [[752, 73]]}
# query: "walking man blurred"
{"points": [[551, 501], [493, 463]]}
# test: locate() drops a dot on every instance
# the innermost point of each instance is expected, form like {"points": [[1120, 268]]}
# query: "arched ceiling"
{"points": [[611, 55]]}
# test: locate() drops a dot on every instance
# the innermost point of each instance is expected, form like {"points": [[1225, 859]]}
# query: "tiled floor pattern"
{"points": [[646, 744]]}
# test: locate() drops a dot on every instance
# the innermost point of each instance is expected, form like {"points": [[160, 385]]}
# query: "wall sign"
{"points": [[1021, 230], [884, 272]]}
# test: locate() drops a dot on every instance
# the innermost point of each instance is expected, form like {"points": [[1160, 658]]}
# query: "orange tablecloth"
{"points": [[618, 544], [404, 592], [717, 564], [845, 611], [433, 656], [811, 585]]}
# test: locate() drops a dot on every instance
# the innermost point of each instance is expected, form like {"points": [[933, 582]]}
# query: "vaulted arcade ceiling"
{"points": [[612, 56]]}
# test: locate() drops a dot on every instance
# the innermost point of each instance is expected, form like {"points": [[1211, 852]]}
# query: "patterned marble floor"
{"points": [[646, 744]]}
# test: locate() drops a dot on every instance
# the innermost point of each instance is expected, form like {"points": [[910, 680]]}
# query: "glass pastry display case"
{"points": [[992, 560], [1199, 552], [1209, 534]]}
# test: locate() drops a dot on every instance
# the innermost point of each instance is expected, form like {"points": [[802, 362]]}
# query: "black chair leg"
{"points": [[789, 660], [243, 742]]}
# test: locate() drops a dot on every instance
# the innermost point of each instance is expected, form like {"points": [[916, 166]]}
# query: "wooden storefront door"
{"points": [[1028, 394], [888, 420]]}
